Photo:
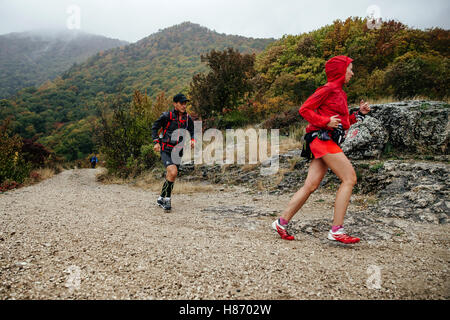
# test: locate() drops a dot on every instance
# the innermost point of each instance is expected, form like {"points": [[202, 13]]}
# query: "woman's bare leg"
{"points": [[343, 168], [316, 172]]}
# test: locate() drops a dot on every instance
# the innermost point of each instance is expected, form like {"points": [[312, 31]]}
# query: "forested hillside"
{"points": [[31, 58], [393, 60], [163, 62]]}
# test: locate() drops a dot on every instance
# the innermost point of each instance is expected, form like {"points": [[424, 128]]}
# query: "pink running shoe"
{"points": [[341, 236], [281, 230]]}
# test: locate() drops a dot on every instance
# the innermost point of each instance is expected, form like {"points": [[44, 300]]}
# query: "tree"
{"points": [[125, 137], [35, 153], [226, 85], [162, 104], [393, 60], [419, 74], [13, 166]]}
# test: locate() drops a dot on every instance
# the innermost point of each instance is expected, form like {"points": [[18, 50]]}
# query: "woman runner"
{"points": [[327, 114]]}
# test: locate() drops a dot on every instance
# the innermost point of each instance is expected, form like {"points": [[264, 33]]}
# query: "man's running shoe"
{"points": [[160, 201], [341, 236], [167, 205], [281, 230]]}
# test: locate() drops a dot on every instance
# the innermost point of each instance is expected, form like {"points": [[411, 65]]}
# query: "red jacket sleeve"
{"points": [[307, 109], [352, 118]]}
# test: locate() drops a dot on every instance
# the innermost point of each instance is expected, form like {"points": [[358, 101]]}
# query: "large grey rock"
{"points": [[365, 139], [415, 126], [402, 127]]}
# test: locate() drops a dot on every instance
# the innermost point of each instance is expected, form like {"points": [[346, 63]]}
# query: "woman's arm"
{"points": [[364, 108], [307, 109]]}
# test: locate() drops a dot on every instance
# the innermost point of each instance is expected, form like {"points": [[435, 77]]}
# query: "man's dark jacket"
{"points": [[170, 121]]}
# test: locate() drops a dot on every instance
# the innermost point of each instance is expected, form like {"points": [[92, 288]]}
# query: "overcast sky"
{"points": [[132, 20]]}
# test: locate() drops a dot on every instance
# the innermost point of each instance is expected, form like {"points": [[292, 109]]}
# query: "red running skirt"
{"points": [[319, 148]]}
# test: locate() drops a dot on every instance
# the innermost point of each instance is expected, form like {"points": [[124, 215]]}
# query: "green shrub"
{"points": [[376, 167], [419, 74], [285, 120], [148, 156], [13, 167], [124, 138]]}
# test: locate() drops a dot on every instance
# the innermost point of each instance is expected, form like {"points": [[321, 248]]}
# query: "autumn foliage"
{"points": [[392, 60], [124, 134], [231, 83]]}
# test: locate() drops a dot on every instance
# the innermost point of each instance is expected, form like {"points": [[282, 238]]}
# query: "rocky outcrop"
{"points": [[417, 191], [401, 127], [406, 191], [414, 190], [366, 139], [411, 189]]}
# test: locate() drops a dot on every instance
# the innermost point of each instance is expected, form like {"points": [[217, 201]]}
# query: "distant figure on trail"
{"points": [[93, 160], [326, 110], [165, 142]]}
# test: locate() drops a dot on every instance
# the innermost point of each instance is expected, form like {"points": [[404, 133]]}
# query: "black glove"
{"points": [[359, 116]]}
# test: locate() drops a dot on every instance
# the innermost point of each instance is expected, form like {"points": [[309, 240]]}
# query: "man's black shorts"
{"points": [[166, 159]]}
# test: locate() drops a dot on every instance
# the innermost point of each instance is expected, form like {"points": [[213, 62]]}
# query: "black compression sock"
{"points": [[167, 189]]}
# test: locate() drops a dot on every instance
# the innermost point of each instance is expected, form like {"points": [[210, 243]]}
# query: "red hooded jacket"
{"points": [[329, 100]]}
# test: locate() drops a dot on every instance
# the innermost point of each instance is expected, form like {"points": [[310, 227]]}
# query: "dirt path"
{"points": [[71, 237]]}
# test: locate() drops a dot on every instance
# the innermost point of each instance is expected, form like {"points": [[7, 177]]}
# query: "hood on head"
{"points": [[336, 67]]}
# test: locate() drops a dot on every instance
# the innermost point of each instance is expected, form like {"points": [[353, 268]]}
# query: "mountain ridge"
{"points": [[164, 61], [30, 58]]}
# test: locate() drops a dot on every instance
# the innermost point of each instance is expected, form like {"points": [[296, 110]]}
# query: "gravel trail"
{"points": [[70, 237]]}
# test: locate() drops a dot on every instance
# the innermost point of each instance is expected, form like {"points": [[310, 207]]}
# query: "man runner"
{"points": [[166, 142], [93, 160]]}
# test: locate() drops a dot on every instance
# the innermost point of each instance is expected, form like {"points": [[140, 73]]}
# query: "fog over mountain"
{"points": [[33, 57], [133, 20]]}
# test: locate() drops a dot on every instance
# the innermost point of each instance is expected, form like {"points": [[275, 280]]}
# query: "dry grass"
{"points": [[41, 174], [248, 167], [148, 181], [280, 175], [294, 140], [105, 178], [189, 187], [286, 143], [180, 187], [363, 201], [260, 186], [293, 161], [45, 173]]}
